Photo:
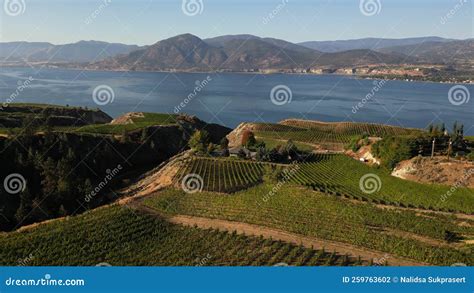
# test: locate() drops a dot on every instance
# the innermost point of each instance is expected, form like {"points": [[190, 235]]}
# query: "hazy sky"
{"points": [[147, 21]]}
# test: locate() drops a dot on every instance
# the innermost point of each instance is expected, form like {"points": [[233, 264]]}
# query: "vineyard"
{"points": [[319, 132], [221, 175], [343, 176], [119, 236], [400, 232], [134, 123]]}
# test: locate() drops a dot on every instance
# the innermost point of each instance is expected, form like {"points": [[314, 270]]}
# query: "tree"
{"points": [[199, 141], [248, 139], [241, 154], [224, 144]]}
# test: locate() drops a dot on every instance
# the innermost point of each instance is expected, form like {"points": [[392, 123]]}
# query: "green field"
{"points": [[222, 175], [149, 119], [119, 236], [314, 214], [342, 175], [271, 143], [318, 132]]}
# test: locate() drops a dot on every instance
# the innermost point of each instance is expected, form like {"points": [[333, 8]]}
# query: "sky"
{"points": [[145, 22]]}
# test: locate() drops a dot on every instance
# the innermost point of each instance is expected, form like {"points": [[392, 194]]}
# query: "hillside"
{"points": [[82, 51], [455, 52], [16, 115], [237, 53], [367, 43]]}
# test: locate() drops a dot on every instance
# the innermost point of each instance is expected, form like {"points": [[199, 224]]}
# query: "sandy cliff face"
{"points": [[235, 137]]}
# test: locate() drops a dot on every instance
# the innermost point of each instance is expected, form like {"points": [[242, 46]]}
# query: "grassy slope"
{"points": [[339, 173], [119, 236], [311, 213], [150, 119]]}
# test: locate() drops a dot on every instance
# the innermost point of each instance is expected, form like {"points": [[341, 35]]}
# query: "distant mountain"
{"points": [[82, 51], [367, 43], [223, 40], [237, 53], [438, 52], [21, 50]]}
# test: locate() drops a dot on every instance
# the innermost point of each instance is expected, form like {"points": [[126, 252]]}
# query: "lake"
{"points": [[229, 98]]}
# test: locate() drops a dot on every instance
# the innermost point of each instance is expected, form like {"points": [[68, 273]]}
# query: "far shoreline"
{"points": [[353, 76]]}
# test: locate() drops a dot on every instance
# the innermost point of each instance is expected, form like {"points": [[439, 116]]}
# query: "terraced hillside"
{"points": [[316, 132], [219, 175], [130, 122], [394, 232], [119, 236], [344, 176]]}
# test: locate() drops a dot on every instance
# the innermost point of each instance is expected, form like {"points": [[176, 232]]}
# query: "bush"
{"points": [[394, 149]]}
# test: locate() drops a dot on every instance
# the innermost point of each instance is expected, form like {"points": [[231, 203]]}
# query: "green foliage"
{"points": [[122, 237], [316, 215], [199, 141], [341, 175], [222, 175], [334, 133], [395, 149]]}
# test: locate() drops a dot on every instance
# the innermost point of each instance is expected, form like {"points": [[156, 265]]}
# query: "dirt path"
{"points": [[309, 242], [276, 234]]}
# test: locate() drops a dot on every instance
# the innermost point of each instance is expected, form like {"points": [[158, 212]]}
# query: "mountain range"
{"points": [[82, 51], [243, 53]]}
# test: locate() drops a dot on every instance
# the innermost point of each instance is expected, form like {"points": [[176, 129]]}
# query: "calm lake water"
{"points": [[229, 99]]}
